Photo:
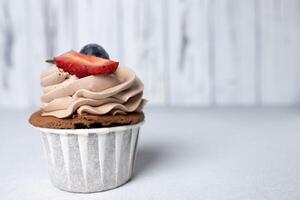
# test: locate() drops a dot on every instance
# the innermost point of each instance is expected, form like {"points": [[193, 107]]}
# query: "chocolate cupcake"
{"points": [[89, 119]]}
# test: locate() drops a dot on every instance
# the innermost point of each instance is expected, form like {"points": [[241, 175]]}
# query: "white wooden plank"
{"points": [[37, 52], [130, 33], [189, 52], [234, 31], [151, 66], [5, 29], [14, 68], [62, 19], [280, 51], [97, 22]]}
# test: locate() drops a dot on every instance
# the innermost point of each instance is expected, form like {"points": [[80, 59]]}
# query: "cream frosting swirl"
{"points": [[64, 94]]}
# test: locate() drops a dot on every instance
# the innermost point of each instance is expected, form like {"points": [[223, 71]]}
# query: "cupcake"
{"points": [[89, 120]]}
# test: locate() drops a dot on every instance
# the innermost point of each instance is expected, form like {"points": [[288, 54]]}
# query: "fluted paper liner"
{"points": [[90, 160]]}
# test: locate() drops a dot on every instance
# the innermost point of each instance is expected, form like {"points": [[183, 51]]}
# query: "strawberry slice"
{"points": [[83, 65]]}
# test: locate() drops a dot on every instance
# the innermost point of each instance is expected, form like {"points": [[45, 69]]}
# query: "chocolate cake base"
{"points": [[85, 121]]}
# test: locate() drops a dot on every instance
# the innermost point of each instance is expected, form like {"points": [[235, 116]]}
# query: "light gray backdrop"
{"points": [[187, 52]]}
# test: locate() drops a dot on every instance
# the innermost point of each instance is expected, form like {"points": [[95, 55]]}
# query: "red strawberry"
{"points": [[83, 65]]}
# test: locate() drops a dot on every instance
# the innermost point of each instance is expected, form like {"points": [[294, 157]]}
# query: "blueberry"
{"points": [[95, 50]]}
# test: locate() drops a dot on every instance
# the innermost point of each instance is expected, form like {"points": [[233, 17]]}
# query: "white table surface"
{"points": [[183, 154]]}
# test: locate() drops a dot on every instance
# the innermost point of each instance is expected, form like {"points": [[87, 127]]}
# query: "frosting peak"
{"points": [[64, 94]]}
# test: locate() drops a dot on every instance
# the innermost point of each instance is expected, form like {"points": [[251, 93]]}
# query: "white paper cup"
{"points": [[90, 160]]}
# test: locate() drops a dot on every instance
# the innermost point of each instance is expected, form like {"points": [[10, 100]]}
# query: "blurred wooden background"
{"points": [[187, 52]]}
